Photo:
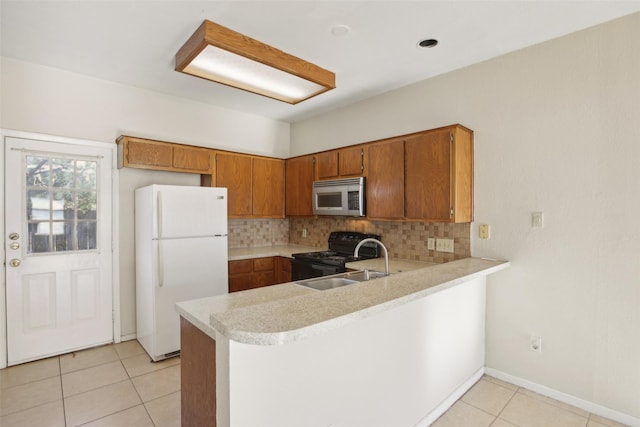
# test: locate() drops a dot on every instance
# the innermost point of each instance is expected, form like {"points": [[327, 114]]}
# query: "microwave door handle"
{"points": [[345, 199]]}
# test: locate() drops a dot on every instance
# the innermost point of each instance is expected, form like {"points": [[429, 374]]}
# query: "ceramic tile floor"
{"points": [[495, 403], [112, 385], [118, 385]]}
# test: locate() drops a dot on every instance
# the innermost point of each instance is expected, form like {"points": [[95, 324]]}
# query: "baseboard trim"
{"points": [[128, 337], [586, 405], [450, 400]]}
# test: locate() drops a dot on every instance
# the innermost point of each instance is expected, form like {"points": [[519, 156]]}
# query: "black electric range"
{"points": [[342, 244]]}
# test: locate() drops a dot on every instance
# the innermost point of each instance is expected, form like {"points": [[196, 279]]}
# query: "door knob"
{"points": [[14, 263], [14, 236], [14, 245]]}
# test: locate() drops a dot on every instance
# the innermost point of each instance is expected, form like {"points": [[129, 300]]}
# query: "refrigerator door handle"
{"points": [[159, 214], [160, 266]]}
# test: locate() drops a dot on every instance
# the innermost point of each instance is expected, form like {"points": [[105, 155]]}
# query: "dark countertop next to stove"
{"points": [[289, 312]]}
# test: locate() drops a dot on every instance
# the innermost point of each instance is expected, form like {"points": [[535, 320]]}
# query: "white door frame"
{"points": [[115, 194]]}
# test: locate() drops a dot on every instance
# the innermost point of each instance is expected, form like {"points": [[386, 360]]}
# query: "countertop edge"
{"points": [[198, 315], [289, 336]]}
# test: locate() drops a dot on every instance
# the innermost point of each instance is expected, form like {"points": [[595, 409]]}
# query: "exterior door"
{"points": [[58, 247]]}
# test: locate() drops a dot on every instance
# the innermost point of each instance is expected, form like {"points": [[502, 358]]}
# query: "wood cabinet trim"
{"points": [[197, 377]]}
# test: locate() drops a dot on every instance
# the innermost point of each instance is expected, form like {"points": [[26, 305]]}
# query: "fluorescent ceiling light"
{"points": [[222, 55]]}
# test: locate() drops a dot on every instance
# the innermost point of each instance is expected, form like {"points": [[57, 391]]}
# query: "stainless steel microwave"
{"points": [[339, 197]]}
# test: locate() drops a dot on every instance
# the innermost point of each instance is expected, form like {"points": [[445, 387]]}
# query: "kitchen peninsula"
{"points": [[391, 351]]}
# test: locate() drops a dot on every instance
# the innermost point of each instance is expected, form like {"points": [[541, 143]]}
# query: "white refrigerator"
{"points": [[181, 254]]}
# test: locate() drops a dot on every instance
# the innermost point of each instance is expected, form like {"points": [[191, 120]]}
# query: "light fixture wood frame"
{"points": [[210, 33]]}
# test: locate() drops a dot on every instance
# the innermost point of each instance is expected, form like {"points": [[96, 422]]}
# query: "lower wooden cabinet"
{"points": [[258, 272], [283, 269]]}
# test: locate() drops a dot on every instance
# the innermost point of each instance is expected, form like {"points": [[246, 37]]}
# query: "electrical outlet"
{"points": [[304, 232], [536, 343], [483, 231], [431, 243], [444, 245]]}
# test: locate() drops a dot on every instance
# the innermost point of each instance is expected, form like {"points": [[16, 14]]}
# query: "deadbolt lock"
{"points": [[14, 236]]}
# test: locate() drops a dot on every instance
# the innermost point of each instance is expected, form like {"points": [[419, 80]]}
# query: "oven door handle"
{"points": [[307, 270]]}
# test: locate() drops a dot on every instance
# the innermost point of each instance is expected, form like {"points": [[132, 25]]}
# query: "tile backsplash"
{"points": [[245, 233], [404, 240]]}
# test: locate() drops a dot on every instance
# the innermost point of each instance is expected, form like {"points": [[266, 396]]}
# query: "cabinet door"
{"points": [[283, 270], [264, 272], [145, 154], [327, 164], [462, 175], [241, 275], [191, 159], [299, 185], [385, 179], [234, 173], [351, 161], [268, 188], [428, 176]]}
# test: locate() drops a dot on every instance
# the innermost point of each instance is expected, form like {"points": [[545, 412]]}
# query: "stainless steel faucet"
{"points": [[384, 249]]}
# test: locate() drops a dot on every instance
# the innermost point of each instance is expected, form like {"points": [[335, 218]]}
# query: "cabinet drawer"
{"points": [[240, 267], [264, 264]]}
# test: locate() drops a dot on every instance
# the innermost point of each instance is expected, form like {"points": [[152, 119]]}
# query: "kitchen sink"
{"points": [[338, 280]]}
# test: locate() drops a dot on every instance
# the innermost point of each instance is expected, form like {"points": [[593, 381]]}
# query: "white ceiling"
{"points": [[134, 42]]}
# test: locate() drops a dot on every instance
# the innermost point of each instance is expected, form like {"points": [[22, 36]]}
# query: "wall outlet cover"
{"points": [[483, 231], [537, 220], [444, 245]]}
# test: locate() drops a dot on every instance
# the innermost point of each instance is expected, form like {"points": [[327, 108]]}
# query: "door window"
{"points": [[61, 204]]}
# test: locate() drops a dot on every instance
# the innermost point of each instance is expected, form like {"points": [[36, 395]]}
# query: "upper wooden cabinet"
{"points": [[426, 176], [343, 162], [268, 187], [439, 175], [385, 179], [255, 184], [298, 185], [234, 171], [148, 154]]}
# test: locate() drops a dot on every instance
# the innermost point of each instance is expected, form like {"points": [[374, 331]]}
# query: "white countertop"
{"points": [[289, 312], [267, 251]]}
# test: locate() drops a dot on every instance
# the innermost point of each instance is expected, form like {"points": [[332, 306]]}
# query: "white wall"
{"points": [[556, 130], [54, 102]]}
